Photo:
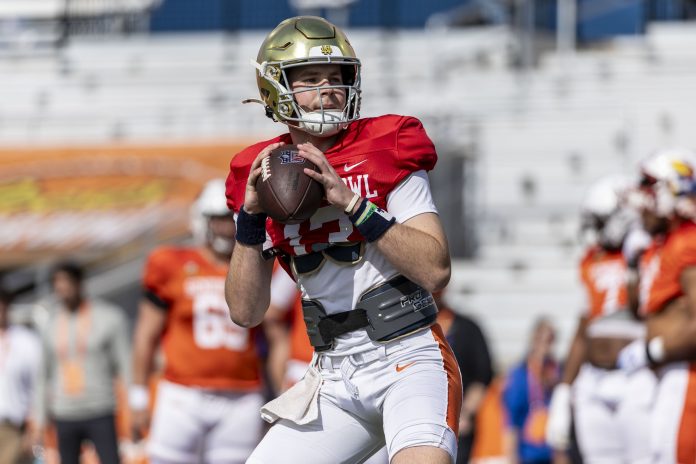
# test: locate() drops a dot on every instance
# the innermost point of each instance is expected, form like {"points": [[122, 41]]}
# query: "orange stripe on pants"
{"points": [[454, 379], [686, 439]]}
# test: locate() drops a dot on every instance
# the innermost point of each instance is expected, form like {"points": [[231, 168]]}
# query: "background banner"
{"points": [[100, 200]]}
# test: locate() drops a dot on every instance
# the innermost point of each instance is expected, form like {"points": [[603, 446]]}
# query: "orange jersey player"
{"points": [[609, 426], [209, 396], [667, 298]]}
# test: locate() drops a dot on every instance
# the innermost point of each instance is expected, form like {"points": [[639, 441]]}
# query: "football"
{"points": [[285, 192]]}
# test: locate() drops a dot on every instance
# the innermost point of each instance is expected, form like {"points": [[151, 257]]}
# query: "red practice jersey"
{"points": [[372, 156], [662, 265], [603, 274], [202, 346]]}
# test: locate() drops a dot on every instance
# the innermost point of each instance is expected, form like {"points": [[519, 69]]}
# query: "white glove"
{"points": [[558, 422], [633, 356]]}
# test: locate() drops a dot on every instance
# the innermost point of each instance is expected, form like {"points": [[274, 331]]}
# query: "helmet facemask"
{"points": [[610, 231], [321, 122], [209, 205], [606, 219], [222, 245], [667, 185]]}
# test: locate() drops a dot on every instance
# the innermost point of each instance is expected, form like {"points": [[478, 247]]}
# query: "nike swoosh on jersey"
{"points": [[350, 167], [404, 366]]}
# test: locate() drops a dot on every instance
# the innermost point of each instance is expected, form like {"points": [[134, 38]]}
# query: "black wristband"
{"points": [[371, 220], [251, 228]]}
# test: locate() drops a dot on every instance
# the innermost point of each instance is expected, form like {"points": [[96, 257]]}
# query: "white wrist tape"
{"points": [[656, 350], [351, 205], [138, 397]]}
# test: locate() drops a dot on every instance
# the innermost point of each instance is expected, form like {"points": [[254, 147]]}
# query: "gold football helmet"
{"points": [[302, 41]]}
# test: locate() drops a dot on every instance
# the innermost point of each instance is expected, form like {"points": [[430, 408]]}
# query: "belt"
{"points": [[360, 359], [348, 364]]}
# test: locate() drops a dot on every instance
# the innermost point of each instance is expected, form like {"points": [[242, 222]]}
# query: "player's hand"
{"points": [[633, 356], [251, 198], [466, 423], [337, 192], [558, 423]]}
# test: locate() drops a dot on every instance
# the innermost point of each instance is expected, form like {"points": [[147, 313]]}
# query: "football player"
{"points": [[611, 407], [366, 263], [209, 396], [667, 283]]}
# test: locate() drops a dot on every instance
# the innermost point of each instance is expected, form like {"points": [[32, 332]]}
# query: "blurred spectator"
{"points": [[207, 407], [526, 398], [20, 358], [474, 359], [86, 348]]}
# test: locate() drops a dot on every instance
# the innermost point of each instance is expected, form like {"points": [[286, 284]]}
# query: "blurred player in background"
{"points": [[374, 252], [86, 348], [667, 283], [611, 407], [526, 398], [20, 360], [208, 400], [286, 330]]}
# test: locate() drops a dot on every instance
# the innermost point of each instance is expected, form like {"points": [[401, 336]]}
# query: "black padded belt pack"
{"points": [[394, 308]]}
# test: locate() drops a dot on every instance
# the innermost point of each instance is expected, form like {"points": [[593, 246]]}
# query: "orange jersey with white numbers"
{"points": [[661, 267], [603, 275], [202, 346]]}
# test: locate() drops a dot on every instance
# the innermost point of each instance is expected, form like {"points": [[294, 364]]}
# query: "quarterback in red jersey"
{"points": [[207, 402], [667, 299], [610, 425], [366, 263]]}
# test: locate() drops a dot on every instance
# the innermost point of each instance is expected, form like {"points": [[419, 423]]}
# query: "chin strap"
{"points": [[267, 109], [319, 123]]}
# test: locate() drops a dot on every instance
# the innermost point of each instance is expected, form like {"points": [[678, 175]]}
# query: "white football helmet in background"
{"points": [[667, 181], [210, 203], [605, 217]]}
